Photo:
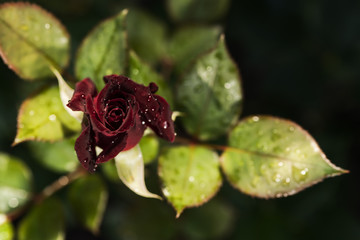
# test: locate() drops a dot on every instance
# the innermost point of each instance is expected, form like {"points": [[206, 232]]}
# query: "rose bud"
{"points": [[115, 119]]}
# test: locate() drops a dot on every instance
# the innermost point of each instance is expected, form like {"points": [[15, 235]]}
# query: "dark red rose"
{"points": [[115, 119]]}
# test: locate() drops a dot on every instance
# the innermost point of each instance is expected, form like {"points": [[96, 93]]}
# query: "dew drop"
{"points": [[47, 26], [300, 175], [291, 129], [227, 85], [165, 125], [83, 96], [13, 202], [112, 142], [31, 113], [255, 118], [280, 164], [135, 71], [191, 179], [52, 117], [166, 192], [143, 122], [277, 178]]}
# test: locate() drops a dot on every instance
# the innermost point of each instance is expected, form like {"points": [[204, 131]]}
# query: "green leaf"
{"points": [[109, 170], [190, 176], [15, 183], [210, 95], [103, 51], [271, 157], [197, 10], [189, 43], [149, 146], [141, 73], [59, 156], [147, 36], [44, 222], [43, 117], [32, 40], [88, 197], [130, 168], [6, 229]]}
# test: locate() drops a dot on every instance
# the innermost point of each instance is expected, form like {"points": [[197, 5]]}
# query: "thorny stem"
{"points": [[60, 183]]}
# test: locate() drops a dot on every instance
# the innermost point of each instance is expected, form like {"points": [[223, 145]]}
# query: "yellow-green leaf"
{"points": [[32, 40], [271, 157], [190, 176], [43, 117]]}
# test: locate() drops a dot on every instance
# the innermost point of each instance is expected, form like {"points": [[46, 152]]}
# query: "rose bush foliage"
{"points": [[116, 118]]}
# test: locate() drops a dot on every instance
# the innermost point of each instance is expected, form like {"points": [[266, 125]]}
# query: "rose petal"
{"points": [[83, 89], [135, 133], [163, 124], [111, 149], [85, 149]]}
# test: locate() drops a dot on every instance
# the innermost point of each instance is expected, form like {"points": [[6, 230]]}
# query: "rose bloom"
{"points": [[116, 118]]}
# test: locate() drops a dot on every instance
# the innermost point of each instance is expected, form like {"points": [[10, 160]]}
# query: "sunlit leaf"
{"points": [[43, 117], [59, 156], [190, 42], [210, 95], [88, 197], [43, 222], [271, 157], [15, 183], [103, 51], [6, 229], [32, 40], [197, 10], [141, 73], [130, 168], [190, 176], [147, 36]]}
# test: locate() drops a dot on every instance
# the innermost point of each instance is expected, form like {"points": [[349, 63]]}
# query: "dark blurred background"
{"points": [[299, 60]]}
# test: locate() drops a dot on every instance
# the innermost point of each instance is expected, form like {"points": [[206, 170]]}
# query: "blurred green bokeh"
{"points": [[298, 60]]}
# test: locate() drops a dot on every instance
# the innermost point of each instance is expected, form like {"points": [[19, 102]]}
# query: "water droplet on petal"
{"points": [[143, 122], [165, 125]]}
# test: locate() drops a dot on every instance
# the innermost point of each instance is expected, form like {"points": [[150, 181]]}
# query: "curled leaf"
{"points": [[130, 168], [66, 93]]}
